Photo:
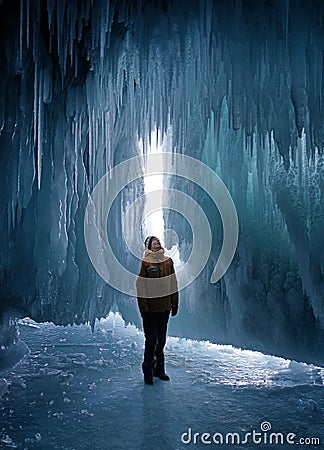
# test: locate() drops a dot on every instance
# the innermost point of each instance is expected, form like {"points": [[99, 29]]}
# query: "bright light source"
{"points": [[154, 223], [153, 213]]}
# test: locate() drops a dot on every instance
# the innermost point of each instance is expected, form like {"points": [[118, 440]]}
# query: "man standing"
{"points": [[157, 296]]}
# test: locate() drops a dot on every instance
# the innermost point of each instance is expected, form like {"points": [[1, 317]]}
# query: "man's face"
{"points": [[156, 244]]}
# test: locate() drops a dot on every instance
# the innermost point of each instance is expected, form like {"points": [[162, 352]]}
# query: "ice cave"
{"points": [[167, 105]]}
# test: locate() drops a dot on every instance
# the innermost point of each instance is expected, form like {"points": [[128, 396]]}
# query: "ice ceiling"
{"points": [[237, 85]]}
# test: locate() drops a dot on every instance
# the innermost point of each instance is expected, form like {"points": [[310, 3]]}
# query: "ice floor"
{"points": [[78, 390]]}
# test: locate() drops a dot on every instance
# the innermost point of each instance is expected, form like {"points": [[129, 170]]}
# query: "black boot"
{"points": [[148, 379], [162, 376], [159, 372], [148, 373]]}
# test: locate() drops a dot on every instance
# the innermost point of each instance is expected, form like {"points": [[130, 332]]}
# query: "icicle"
{"points": [[27, 22], [60, 8], [104, 30], [286, 20], [35, 109], [21, 32], [39, 130], [2, 108]]}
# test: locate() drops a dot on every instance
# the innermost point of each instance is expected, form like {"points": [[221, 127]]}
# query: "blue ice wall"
{"points": [[240, 84]]}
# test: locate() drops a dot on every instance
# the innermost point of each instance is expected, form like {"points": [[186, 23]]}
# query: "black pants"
{"points": [[155, 329]]}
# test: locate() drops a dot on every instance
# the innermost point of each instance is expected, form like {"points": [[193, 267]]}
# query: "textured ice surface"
{"points": [[12, 348], [238, 85], [78, 390]]}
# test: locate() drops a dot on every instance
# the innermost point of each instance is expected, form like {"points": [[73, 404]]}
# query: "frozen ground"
{"points": [[78, 390]]}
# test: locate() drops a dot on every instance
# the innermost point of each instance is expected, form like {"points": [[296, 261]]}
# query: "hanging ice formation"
{"points": [[240, 83]]}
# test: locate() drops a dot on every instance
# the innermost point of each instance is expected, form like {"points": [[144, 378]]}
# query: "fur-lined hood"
{"points": [[155, 257]]}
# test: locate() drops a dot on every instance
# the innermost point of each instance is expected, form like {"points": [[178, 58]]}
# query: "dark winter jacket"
{"points": [[156, 278]]}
